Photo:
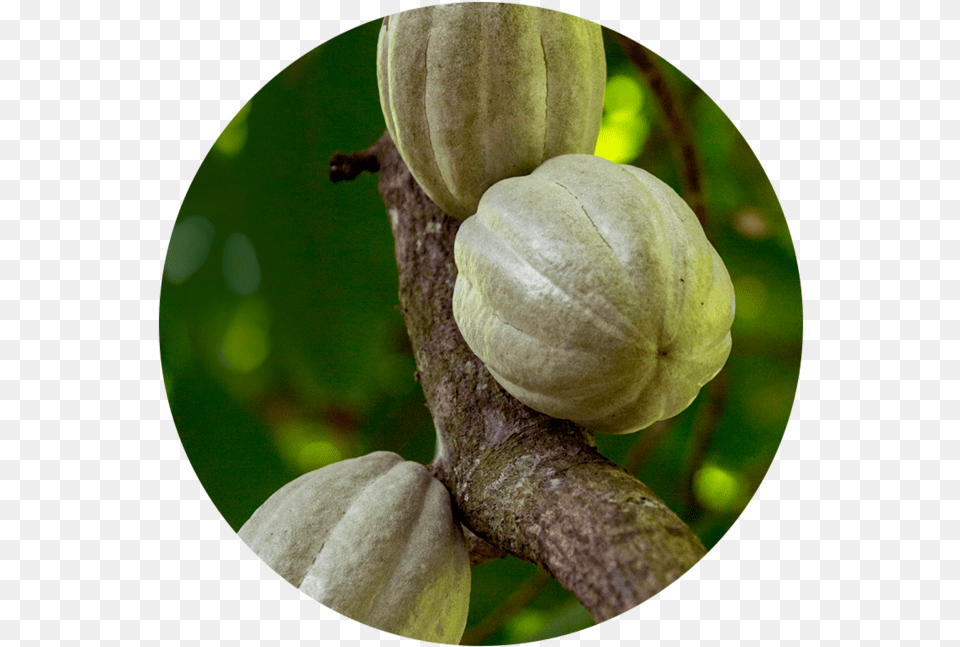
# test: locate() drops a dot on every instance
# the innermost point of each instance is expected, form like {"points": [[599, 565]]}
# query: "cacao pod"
{"points": [[476, 92], [591, 293], [374, 539]]}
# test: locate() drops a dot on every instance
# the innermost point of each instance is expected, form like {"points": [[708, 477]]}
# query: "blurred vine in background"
{"points": [[707, 462], [283, 348]]}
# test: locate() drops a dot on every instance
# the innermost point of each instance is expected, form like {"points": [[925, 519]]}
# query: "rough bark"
{"points": [[531, 485]]}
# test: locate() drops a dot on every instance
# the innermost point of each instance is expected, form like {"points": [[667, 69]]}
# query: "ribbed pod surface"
{"points": [[372, 538], [473, 93], [591, 293]]}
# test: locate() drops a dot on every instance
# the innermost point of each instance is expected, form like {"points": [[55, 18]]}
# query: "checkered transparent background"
{"points": [[106, 111]]}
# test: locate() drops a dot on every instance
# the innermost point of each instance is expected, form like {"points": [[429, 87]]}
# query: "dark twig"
{"points": [[680, 134], [649, 438], [522, 596], [704, 427], [347, 166]]}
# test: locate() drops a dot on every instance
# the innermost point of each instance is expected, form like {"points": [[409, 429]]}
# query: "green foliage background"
{"points": [[283, 347]]}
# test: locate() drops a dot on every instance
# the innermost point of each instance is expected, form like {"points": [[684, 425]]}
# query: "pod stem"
{"points": [[533, 486]]}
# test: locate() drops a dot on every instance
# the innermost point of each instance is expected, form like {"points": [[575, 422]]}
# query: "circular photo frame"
{"points": [[329, 403]]}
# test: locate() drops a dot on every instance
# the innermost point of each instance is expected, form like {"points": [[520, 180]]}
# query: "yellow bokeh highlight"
{"points": [[526, 624], [717, 489], [622, 97], [306, 445], [621, 140], [623, 126], [246, 343], [317, 454], [234, 136]]}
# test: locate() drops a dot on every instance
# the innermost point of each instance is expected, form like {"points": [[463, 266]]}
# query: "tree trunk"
{"points": [[533, 486]]}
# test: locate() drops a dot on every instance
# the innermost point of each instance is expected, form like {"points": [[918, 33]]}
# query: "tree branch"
{"points": [[529, 484]]}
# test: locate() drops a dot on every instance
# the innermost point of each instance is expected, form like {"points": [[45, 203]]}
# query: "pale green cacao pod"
{"points": [[591, 293], [374, 539], [473, 93]]}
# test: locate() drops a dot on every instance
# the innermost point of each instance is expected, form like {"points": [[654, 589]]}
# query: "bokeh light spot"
{"points": [[526, 624], [622, 97], [246, 343], [717, 489], [752, 224], [306, 444], [317, 454], [234, 136], [621, 139], [189, 247], [241, 270], [623, 126]]}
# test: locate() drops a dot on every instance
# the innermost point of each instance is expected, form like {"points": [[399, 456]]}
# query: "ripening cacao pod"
{"points": [[591, 293], [374, 539], [476, 92]]}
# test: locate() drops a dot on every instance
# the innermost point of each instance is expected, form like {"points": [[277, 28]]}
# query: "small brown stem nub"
{"points": [[517, 600], [347, 166]]}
